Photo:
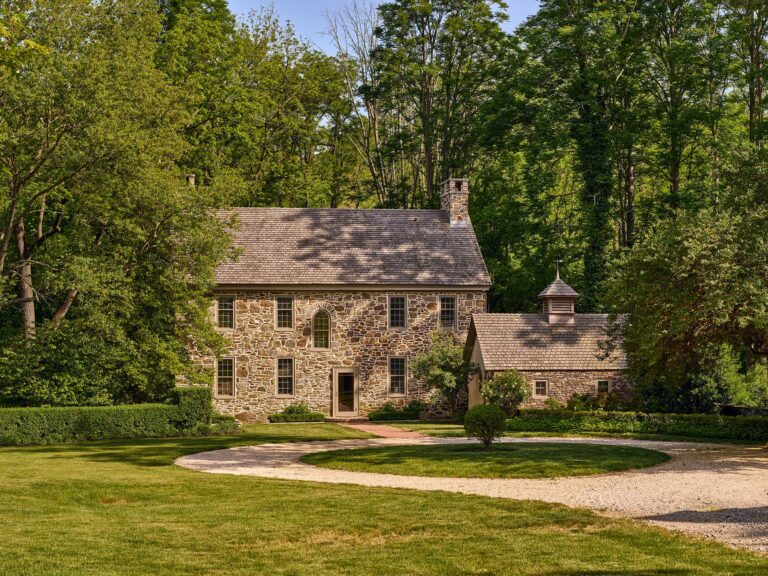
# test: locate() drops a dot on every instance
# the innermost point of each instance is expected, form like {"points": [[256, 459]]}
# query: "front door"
{"points": [[345, 392]]}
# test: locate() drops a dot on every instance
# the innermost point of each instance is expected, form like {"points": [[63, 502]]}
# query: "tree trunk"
{"points": [[26, 294]]}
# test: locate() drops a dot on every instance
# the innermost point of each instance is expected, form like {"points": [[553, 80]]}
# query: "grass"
{"points": [[446, 430], [545, 460], [123, 508]]}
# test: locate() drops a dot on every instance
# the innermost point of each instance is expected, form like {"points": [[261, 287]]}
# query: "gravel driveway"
{"points": [[713, 490]]}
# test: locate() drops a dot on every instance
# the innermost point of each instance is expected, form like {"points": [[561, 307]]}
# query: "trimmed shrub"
{"points": [[297, 413], [188, 413], [484, 422], [300, 408], [390, 412], [303, 417], [195, 406], [693, 425], [224, 424], [55, 425]]}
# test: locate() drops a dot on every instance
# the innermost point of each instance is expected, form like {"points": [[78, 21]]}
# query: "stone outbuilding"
{"points": [[559, 352]]}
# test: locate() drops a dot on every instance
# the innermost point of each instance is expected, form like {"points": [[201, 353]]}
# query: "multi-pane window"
{"points": [[397, 311], [226, 312], [397, 375], [285, 376], [284, 312], [603, 386], [225, 377], [448, 312], [540, 388], [321, 330]]}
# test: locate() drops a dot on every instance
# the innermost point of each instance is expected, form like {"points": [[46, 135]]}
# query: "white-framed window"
{"points": [[398, 312], [603, 386], [285, 377], [284, 313], [447, 312], [321, 329], [397, 376], [541, 388], [225, 312], [225, 378]]}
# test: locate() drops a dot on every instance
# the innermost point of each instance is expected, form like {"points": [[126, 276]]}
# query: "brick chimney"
{"points": [[454, 199]]}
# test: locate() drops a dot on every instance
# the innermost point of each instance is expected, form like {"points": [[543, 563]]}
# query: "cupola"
{"points": [[559, 301]]}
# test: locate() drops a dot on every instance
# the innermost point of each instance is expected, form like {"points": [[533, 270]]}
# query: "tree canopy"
{"points": [[624, 139]]}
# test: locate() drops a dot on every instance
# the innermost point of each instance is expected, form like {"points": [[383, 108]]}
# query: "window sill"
{"points": [[287, 396], [220, 397], [284, 329], [396, 395]]}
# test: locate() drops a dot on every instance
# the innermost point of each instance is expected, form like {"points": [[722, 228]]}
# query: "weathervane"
{"points": [[557, 266]]}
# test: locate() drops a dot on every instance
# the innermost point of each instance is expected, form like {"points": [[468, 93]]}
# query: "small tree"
{"points": [[507, 390], [443, 367], [485, 422]]}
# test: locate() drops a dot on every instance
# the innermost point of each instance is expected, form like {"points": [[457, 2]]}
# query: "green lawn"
{"points": [[504, 461], [123, 508]]}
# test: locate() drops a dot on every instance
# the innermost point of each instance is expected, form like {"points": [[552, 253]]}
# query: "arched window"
{"points": [[321, 330]]}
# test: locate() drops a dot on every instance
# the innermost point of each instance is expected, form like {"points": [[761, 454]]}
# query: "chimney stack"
{"points": [[191, 180], [454, 199]]}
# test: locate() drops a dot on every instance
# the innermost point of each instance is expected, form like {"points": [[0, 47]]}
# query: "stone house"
{"points": [[329, 306], [559, 352]]}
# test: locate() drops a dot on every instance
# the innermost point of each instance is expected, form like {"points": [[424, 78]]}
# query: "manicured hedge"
{"points": [[300, 417], [693, 425], [55, 425], [195, 406], [189, 412], [390, 412]]}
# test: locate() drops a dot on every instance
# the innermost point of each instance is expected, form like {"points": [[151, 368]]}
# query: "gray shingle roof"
{"points": [[558, 289], [529, 342], [295, 246]]}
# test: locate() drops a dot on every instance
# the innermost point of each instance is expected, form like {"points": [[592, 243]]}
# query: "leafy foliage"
{"points": [[443, 367], [389, 411], [506, 390], [484, 422]]}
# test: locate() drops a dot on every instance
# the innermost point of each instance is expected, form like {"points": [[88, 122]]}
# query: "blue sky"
{"points": [[308, 16]]}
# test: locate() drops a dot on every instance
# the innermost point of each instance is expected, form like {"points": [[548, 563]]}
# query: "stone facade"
{"points": [[360, 339], [562, 385]]}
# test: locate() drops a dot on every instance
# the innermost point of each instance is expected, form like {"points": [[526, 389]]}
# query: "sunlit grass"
{"points": [[534, 460], [123, 508]]}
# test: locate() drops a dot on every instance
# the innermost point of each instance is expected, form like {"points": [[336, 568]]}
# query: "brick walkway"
{"points": [[384, 431]]}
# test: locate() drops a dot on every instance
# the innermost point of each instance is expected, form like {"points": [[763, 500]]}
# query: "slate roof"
{"points": [[299, 246], [558, 289], [530, 342]]}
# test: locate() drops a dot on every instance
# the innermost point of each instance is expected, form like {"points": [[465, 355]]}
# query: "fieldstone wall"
{"points": [[360, 339], [563, 385]]}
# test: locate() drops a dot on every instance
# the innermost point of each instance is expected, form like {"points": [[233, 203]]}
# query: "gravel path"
{"points": [[713, 490]]}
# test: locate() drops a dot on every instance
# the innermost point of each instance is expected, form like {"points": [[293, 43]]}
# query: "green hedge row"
{"points": [[190, 413], [301, 417], [693, 425], [390, 412]]}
